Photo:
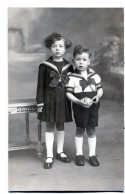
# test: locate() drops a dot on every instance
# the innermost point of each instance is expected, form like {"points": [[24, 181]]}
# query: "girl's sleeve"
{"points": [[70, 85], [98, 81], [40, 86]]}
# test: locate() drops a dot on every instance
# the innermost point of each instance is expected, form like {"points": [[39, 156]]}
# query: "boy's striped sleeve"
{"points": [[70, 85]]}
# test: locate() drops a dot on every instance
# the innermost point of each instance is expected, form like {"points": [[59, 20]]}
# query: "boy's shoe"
{"points": [[93, 161], [79, 160], [63, 159], [48, 165]]}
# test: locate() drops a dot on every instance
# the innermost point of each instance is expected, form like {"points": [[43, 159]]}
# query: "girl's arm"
{"points": [[40, 88]]}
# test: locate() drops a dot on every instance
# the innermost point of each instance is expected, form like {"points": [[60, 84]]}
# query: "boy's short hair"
{"points": [[49, 40], [78, 49]]}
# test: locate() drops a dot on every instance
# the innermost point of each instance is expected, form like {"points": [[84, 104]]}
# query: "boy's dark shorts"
{"points": [[86, 116]]}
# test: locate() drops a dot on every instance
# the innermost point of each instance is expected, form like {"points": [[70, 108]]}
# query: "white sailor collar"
{"points": [[52, 66], [90, 73]]}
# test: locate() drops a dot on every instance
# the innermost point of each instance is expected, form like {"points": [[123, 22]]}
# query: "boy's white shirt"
{"points": [[74, 82]]}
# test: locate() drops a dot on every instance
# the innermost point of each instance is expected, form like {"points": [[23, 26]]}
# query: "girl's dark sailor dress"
{"points": [[80, 88], [51, 91]]}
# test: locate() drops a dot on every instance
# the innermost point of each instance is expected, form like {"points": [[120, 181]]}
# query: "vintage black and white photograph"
{"points": [[65, 99]]}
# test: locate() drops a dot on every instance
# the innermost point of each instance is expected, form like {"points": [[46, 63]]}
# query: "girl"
{"points": [[53, 106], [84, 89]]}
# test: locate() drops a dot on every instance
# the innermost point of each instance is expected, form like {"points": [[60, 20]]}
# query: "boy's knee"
{"points": [[78, 135], [79, 132], [91, 135], [90, 131]]}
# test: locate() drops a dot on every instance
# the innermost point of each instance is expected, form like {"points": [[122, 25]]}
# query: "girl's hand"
{"points": [[39, 109], [95, 99]]}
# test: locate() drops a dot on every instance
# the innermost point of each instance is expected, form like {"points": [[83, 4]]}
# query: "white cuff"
{"points": [[39, 105]]}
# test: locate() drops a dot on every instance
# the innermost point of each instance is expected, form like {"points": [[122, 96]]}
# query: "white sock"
{"points": [[60, 142], [92, 145], [79, 145], [49, 136]]}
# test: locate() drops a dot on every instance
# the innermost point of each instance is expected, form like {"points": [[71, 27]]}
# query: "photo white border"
{"points": [[4, 63]]}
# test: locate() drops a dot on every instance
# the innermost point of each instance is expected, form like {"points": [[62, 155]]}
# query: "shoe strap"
{"points": [[50, 157], [63, 153]]}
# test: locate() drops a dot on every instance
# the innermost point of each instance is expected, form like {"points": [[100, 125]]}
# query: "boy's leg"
{"points": [[79, 145], [91, 140], [60, 143], [92, 145], [79, 140]]}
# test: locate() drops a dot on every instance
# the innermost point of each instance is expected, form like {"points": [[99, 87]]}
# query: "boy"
{"points": [[84, 89]]}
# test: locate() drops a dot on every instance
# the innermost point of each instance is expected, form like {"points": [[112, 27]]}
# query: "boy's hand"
{"points": [[87, 102], [95, 99]]}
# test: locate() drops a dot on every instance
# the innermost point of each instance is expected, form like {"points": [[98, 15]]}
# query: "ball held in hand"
{"points": [[87, 101]]}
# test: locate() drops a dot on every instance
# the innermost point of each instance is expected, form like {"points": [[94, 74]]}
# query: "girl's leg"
{"points": [[60, 143], [79, 146], [60, 138], [49, 137]]}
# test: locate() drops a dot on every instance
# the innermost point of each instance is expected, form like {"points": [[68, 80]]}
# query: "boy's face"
{"points": [[82, 61], [58, 48]]}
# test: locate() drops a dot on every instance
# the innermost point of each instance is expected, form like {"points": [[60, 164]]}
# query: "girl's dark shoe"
{"points": [[93, 161], [48, 165], [79, 160], [63, 159]]}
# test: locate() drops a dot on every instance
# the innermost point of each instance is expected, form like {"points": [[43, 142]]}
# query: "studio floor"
{"points": [[26, 172]]}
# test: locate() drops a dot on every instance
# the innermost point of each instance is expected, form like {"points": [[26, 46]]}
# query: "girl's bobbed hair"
{"points": [[78, 49], [49, 40]]}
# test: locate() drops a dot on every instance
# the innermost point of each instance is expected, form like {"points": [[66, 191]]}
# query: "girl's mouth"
{"points": [[81, 66]]}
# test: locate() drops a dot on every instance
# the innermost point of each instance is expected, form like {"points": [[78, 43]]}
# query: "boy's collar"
{"points": [[78, 72]]}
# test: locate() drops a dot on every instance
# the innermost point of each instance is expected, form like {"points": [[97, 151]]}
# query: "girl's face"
{"points": [[58, 49], [82, 61]]}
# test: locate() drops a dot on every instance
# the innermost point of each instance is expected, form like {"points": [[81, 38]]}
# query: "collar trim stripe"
{"points": [[54, 67], [66, 67], [51, 65], [80, 76], [75, 75]]}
